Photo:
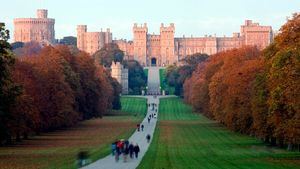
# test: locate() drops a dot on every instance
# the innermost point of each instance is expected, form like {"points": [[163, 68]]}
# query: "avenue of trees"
{"points": [[176, 75], [251, 91], [51, 88]]}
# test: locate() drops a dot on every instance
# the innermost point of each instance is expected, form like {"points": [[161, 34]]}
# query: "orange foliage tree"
{"points": [[253, 92]]}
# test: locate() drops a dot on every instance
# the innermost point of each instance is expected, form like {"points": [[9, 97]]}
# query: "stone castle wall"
{"points": [[91, 42], [40, 29], [166, 49]]}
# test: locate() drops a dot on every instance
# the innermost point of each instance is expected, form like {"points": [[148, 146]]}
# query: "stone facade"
{"points": [[91, 42], [165, 49], [40, 29], [121, 74]]}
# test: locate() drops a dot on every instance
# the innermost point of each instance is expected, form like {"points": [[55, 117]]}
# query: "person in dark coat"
{"points": [[148, 119], [148, 137], [142, 127], [138, 127], [130, 148], [136, 150]]}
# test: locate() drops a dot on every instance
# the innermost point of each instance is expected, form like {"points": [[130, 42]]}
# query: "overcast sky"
{"points": [[191, 17]]}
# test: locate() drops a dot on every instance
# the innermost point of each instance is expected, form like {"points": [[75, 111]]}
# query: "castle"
{"points": [[40, 29], [121, 74], [165, 49], [91, 42]]}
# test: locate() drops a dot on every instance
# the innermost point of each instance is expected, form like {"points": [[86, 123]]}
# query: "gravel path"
{"points": [[109, 162]]}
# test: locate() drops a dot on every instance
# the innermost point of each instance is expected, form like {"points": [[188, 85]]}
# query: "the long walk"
{"points": [[109, 162], [153, 80]]}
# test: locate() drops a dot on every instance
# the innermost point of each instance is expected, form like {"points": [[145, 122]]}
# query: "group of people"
{"points": [[140, 127], [123, 147]]}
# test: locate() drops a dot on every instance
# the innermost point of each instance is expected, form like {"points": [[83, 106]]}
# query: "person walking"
{"points": [[118, 151], [148, 119], [136, 150], [138, 127], [142, 127], [125, 154], [130, 148], [113, 148], [148, 137]]}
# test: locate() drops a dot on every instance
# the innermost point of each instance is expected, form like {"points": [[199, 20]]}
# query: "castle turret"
{"points": [[121, 75], [42, 13], [167, 44], [81, 30], [140, 43]]}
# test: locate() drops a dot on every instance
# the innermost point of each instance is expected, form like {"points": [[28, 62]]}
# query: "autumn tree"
{"points": [[108, 54], [176, 76], [283, 79]]}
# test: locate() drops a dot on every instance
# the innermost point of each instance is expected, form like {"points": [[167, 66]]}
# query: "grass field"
{"points": [[185, 140], [58, 150], [146, 72], [163, 83]]}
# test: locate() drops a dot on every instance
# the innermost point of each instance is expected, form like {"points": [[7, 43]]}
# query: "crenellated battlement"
{"points": [[40, 29]]}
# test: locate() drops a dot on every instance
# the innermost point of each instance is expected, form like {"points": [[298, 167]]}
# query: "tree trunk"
{"points": [[267, 140], [290, 147], [273, 141]]}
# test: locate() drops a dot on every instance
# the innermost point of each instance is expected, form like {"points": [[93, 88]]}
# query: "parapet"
{"points": [[42, 13], [82, 28]]}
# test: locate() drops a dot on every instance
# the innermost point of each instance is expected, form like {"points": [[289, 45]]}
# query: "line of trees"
{"points": [[51, 89], [254, 92], [176, 75]]}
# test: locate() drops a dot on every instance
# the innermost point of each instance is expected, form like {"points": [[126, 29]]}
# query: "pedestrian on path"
{"points": [[117, 153], [125, 154], [130, 147], [113, 148], [136, 150], [148, 119], [148, 137], [138, 127], [142, 127]]}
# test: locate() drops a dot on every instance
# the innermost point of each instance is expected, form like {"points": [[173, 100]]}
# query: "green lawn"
{"points": [[133, 105], [185, 140], [58, 149], [163, 83], [146, 72]]}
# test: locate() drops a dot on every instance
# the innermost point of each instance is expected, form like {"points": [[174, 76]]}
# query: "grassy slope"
{"points": [[146, 72], [58, 149], [186, 140]]}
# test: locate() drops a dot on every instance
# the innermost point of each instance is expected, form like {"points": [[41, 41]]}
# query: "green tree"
{"points": [[68, 40], [136, 76], [108, 54], [8, 89]]}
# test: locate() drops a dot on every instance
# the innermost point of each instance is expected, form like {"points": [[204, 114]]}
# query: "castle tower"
{"points": [[167, 44], [256, 35], [140, 43], [81, 30], [42, 13], [40, 29], [121, 74]]}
